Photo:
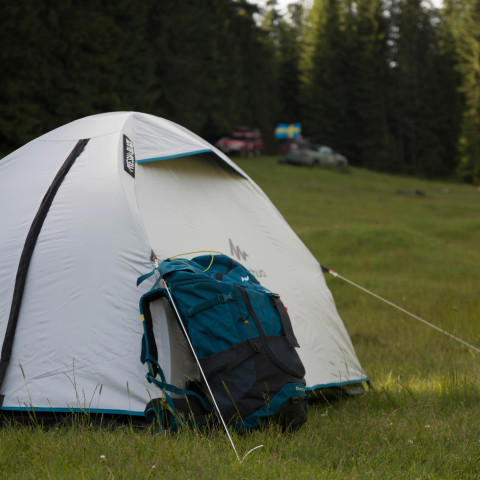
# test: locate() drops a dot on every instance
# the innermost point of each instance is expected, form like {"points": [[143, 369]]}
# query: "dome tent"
{"points": [[83, 208]]}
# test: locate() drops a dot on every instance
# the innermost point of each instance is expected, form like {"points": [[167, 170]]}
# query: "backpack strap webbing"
{"points": [[263, 337], [286, 322]]}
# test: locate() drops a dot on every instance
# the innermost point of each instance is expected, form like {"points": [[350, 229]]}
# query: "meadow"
{"points": [[414, 242]]}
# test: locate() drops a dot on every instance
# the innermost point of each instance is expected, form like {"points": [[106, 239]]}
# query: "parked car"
{"points": [[241, 142], [291, 144], [315, 155]]}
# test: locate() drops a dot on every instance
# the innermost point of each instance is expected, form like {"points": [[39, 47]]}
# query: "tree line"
{"points": [[392, 84]]}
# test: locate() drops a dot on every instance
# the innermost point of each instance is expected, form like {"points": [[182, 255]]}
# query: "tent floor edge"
{"points": [[48, 420], [336, 393]]}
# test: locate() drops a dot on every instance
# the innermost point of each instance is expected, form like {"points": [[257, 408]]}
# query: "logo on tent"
{"points": [[128, 156], [237, 251]]}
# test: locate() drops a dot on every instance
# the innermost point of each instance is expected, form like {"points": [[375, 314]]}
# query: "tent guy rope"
{"points": [[416, 317], [219, 413]]}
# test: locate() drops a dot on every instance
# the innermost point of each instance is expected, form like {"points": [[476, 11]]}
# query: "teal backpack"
{"points": [[243, 341]]}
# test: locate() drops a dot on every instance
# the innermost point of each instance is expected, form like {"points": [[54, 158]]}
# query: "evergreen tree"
{"points": [[375, 140], [286, 35], [212, 73], [68, 60], [326, 89], [345, 79], [463, 19], [175, 59], [381, 85], [378, 80], [424, 96]]}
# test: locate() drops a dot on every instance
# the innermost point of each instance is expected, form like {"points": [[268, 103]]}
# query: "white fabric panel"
{"points": [[189, 204], [174, 354], [22, 187], [89, 127], [156, 137], [160, 331], [78, 337]]}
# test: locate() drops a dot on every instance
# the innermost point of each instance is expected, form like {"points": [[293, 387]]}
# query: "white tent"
{"points": [[82, 208]]}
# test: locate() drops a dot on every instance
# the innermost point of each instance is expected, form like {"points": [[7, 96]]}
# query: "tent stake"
{"points": [[205, 379], [335, 274]]}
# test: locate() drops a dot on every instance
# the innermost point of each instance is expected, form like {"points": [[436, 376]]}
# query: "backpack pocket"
{"points": [[285, 356], [247, 382]]}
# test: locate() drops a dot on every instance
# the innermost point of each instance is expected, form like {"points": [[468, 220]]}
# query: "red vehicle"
{"points": [[241, 142]]}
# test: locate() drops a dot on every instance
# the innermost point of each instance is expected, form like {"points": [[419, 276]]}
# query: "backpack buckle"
{"points": [[227, 297]]}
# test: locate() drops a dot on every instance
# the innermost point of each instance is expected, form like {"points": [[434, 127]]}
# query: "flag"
{"points": [[285, 130]]}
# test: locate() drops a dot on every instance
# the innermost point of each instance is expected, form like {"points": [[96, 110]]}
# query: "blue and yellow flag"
{"points": [[285, 130]]}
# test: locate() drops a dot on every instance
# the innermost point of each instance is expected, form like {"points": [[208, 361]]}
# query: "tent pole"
{"points": [[335, 274], [205, 378]]}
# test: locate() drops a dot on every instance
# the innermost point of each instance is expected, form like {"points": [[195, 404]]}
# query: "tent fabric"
{"points": [[27, 253], [78, 334]]}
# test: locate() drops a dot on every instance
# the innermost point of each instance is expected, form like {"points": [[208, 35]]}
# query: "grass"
{"points": [[421, 421]]}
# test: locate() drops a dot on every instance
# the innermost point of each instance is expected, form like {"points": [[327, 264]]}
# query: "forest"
{"points": [[392, 84]]}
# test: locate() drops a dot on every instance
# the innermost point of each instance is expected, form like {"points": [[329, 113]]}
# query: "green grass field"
{"points": [[422, 420]]}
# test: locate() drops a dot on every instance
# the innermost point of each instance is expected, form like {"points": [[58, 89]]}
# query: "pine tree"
{"points": [[463, 18], [325, 88], [423, 84]]}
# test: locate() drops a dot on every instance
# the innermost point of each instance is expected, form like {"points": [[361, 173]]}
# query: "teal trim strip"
{"points": [[70, 410], [187, 154], [339, 384]]}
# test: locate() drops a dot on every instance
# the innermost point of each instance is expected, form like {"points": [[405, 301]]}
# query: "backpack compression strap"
{"points": [[286, 322]]}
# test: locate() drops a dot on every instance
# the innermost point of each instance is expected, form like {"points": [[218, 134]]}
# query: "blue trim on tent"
{"points": [[70, 410], [186, 154], [339, 384]]}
